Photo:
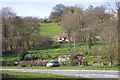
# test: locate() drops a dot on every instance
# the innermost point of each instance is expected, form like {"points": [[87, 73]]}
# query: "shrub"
{"points": [[8, 52], [33, 63], [10, 63], [28, 57], [42, 56], [4, 63], [73, 60]]}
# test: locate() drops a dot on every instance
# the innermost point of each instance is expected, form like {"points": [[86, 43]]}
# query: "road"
{"points": [[83, 73]]}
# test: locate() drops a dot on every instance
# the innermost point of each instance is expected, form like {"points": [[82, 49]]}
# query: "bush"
{"points": [[42, 56], [33, 63], [4, 63], [53, 46], [8, 52], [28, 57], [10, 63], [73, 60]]}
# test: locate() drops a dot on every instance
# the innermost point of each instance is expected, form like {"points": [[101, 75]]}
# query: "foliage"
{"points": [[28, 57], [10, 57], [31, 63], [57, 12]]}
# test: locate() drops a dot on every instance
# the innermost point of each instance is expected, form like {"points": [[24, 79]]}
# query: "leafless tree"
{"points": [[72, 22], [7, 17], [109, 35], [18, 33]]}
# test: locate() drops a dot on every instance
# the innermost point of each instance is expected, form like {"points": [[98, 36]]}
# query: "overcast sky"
{"points": [[42, 8]]}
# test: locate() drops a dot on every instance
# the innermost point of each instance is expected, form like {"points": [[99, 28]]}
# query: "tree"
{"points": [[94, 18], [32, 30], [57, 12], [72, 22], [18, 33], [58, 8], [7, 17], [116, 9], [109, 37]]}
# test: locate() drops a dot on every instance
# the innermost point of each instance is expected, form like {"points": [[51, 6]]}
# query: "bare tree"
{"points": [[18, 33], [7, 17], [109, 36], [72, 22]]}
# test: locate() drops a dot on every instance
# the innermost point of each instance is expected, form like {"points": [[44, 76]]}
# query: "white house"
{"points": [[62, 38]]}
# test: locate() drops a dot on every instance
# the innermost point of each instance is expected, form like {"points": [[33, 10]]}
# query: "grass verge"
{"points": [[7, 75]]}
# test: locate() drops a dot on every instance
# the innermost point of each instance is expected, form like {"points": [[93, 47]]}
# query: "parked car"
{"points": [[52, 64]]}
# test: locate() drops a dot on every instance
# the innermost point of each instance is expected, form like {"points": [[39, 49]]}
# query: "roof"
{"points": [[63, 35]]}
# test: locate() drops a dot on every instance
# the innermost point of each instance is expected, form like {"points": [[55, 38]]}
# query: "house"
{"points": [[64, 59], [62, 38]]}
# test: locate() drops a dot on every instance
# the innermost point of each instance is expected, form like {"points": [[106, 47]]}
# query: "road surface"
{"points": [[83, 73]]}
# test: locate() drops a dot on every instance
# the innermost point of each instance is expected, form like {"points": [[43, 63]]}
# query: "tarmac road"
{"points": [[83, 73]]}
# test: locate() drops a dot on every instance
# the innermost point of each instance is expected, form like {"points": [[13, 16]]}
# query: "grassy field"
{"points": [[50, 29], [62, 49], [7, 75]]}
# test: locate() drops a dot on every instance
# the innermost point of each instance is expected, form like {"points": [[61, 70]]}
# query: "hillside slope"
{"points": [[50, 29]]}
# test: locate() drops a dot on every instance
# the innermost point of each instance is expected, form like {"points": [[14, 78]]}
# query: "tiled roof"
{"points": [[62, 35]]}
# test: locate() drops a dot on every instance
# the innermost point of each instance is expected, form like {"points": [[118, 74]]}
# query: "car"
{"points": [[53, 64]]}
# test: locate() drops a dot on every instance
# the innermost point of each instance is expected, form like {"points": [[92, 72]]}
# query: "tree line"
{"points": [[18, 33], [89, 26]]}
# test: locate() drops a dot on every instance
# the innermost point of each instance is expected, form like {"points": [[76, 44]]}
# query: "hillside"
{"points": [[50, 29]]}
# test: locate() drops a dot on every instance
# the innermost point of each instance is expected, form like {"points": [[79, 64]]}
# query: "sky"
{"points": [[43, 8]]}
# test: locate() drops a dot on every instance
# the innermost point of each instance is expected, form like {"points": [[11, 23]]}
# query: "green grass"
{"points": [[63, 49], [10, 57], [37, 76], [50, 29]]}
